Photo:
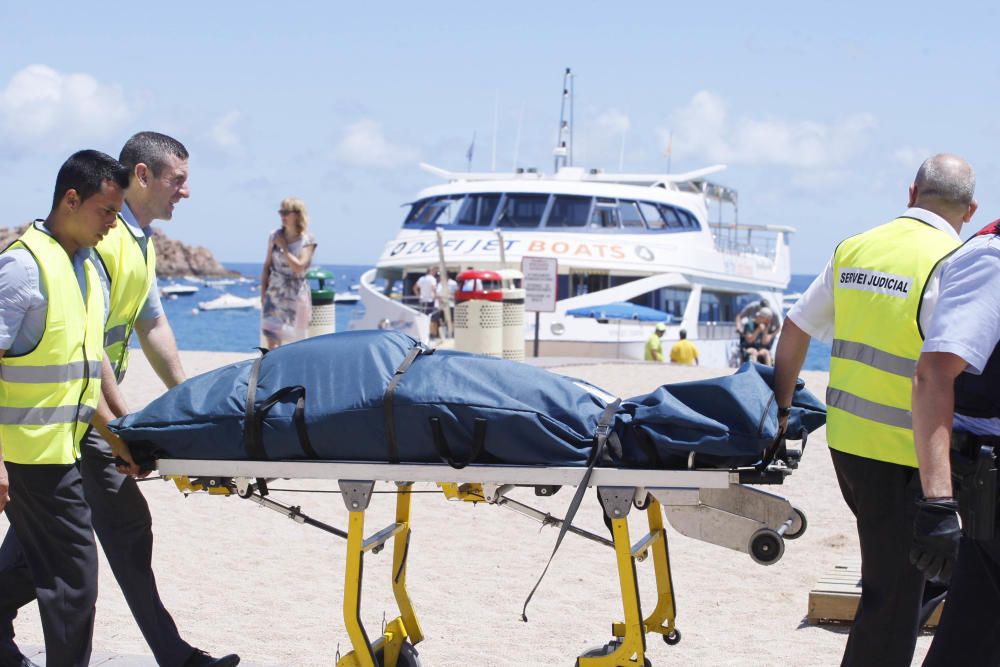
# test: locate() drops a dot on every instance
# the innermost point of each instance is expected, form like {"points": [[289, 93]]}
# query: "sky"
{"points": [[822, 111]]}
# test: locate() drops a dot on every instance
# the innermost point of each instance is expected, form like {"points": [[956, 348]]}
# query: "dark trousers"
{"points": [[123, 525], [51, 520], [882, 497], [969, 633]]}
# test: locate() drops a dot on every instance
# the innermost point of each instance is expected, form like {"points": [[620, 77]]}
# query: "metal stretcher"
{"points": [[712, 505]]}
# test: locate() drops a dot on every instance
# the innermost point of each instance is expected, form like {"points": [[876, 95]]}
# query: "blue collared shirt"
{"points": [[24, 301], [966, 318]]}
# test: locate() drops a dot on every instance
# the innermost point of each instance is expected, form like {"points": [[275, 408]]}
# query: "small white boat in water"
{"points": [[346, 297], [178, 290], [230, 302]]}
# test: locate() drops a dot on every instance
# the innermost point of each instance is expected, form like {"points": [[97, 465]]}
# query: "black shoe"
{"points": [[201, 659]]}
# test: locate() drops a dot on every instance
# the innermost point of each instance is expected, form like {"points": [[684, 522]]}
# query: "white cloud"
{"points": [[703, 129], [224, 134], [365, 145], [40, 107]]}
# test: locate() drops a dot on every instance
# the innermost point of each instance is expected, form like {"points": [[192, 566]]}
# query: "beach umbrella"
{"points": [[621, 310]]}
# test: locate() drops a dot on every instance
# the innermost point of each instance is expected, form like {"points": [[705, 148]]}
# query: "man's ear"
{"points": [[971, 211], [141, 174], [71, 199], [913, 195]]}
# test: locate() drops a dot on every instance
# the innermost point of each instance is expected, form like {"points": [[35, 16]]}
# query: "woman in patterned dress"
{"points": [[286, 304]]}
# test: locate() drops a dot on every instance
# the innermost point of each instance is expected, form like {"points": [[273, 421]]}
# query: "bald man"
{"points": [[872, 301]]}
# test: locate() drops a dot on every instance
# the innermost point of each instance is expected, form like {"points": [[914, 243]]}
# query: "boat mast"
{"points": [[564, 138]]}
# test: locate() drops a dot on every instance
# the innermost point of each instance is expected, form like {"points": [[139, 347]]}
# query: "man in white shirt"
{"points": [[872, 300]]}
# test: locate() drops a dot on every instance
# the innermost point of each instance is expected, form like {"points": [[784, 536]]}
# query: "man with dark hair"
{"points": [[127, 266], [50, 353]]}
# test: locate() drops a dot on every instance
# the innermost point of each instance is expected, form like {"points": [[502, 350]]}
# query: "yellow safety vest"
{"points": [[131, 271], [878, 281], [48, 395]]}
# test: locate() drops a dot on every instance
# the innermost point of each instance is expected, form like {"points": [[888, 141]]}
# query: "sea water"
{"points": [[239, 330]]}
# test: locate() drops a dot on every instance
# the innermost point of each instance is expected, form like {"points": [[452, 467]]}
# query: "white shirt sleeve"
{"points": [[966, 318], [813, 312]]}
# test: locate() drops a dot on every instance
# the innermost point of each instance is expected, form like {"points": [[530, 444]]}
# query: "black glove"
{"points": [[936, 534]]}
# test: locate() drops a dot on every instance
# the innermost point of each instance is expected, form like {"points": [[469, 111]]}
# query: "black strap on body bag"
{"points": [[390, 393], [601, 437], [255, 414]]}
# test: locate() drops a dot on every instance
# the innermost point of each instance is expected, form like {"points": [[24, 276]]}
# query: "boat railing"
{"points": [[716, 330], [758, 240]]}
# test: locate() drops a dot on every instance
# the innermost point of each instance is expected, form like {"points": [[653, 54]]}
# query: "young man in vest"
{"points": [[52, 313], [956, 406], [127, 264], [868, 300]]}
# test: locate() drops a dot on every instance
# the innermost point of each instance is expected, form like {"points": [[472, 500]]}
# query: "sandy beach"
{"points": [[239, 578]]}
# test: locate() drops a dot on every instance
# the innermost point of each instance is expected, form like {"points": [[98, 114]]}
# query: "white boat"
{"points": [[346, 297], [219, 282], [230, 302], [643, 238], [174, 290]]}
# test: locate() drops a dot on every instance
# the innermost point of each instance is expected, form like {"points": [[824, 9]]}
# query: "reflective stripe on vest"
{"points": [[46, 416], [48, 395], [878, 282], [75, 370], [131, 272]]}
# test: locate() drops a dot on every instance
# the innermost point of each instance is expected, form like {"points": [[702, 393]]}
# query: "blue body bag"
{"points": [[380, 396]]}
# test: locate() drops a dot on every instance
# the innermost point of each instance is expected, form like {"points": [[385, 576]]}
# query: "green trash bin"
{"points": [[323, 319]]}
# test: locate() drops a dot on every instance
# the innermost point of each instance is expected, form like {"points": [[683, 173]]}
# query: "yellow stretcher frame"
{"points": [[628, 489]]}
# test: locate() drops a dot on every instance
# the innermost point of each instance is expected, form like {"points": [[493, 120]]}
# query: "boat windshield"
{"points": [[534, 210]]}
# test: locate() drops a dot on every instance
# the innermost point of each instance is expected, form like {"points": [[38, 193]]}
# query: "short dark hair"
{"points": [[151, 149], [86, 171], [683, 334]]}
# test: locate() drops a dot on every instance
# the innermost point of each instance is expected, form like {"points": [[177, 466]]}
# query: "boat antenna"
{"points": [[517, 138], [496, 114], [564, 138], [470, 151]]}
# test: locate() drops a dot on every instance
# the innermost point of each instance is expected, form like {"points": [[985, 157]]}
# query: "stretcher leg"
{"points": [[630, 646], [392, 648], [663, 617]]}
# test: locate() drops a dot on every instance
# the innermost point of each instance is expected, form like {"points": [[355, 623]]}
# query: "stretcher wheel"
{"points": [[673, 637], [643, 504], [799, 524], [608, 649], [766, 546], [408, 656]]}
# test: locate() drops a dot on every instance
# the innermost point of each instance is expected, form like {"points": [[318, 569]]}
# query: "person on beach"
{"points": [[758, 337], [52, 315], [286, 305], [654, 344], [956, 413], [868, 300], [683, 351], [126, 263]]}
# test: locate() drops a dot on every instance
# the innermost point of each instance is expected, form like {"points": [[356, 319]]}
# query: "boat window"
{"points": [[436, 210], [672, 217], [569, 211], [652, 215], [692, 222], [478, 210], [718, 307], [629, 214], [605, 215], [522, 210], [585, 283], [670, 300]]}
